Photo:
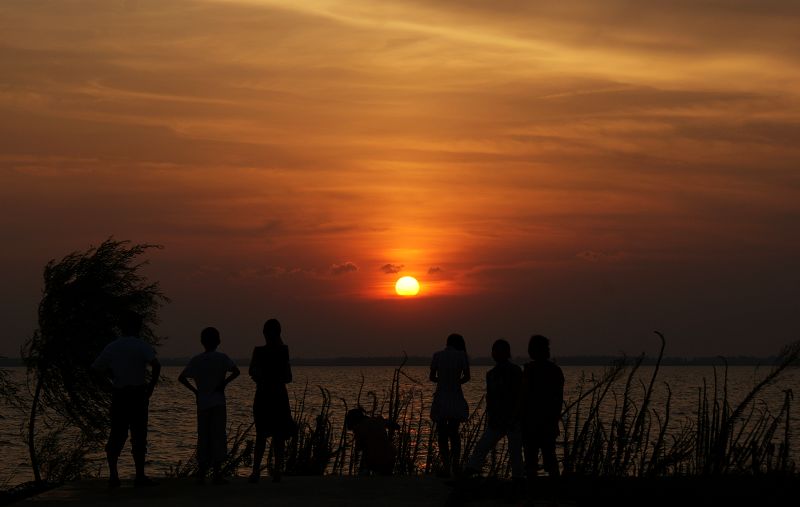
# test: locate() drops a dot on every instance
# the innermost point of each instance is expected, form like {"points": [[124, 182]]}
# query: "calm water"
{"points": [[172, 419]]}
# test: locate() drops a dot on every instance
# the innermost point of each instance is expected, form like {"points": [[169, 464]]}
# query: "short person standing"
{"points": [[542, 399], [125, 360], [209, 370]]}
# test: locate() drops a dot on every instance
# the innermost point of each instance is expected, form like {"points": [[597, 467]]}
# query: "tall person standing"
{"points": [[125, 360], [449, 369], [542, 399], [271, 371], [503, 384]]}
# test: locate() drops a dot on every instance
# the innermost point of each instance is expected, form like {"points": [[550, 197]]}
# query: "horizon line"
{"points": [[418, 360]]}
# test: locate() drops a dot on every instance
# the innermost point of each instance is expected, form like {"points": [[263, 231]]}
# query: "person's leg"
{"points": [[485, 444], [139, 404], [531, 451], [515, 453], [549, 459], [261, 437], [530, 447], [455, 444], [443, 432], [258, 455], [278, 449], [218, 440], [117, 436], [203, 434]]}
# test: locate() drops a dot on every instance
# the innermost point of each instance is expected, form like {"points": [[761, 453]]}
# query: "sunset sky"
{"points": [[591, 171]]}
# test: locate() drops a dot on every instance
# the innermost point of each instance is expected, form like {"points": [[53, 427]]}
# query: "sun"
{"points": [[407, 286]]}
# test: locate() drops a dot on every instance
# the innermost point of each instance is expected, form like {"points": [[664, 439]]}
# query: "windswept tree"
{"points": [[8, 388], [85, 294]]}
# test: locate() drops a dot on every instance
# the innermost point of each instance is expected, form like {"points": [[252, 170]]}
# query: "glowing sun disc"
{"points": [[407, 286]]}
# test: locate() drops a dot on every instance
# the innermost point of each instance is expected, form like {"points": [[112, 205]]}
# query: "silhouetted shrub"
{"points": [[85, 295]]}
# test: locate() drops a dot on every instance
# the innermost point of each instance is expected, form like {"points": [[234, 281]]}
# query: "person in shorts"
{"points": [[125, 361]]}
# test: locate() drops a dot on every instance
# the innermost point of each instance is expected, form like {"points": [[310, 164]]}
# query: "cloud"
{"points": [[434, 270], [392, 268], [343, 269]]}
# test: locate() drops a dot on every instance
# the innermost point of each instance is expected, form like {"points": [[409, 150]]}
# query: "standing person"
{"points": [[271, 371], [125, 360], [449, 369], [209, 371], [542, 399], [503, 383]]}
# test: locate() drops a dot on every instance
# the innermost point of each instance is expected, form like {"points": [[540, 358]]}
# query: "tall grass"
{"points": [[638, 439], [610, 427]]}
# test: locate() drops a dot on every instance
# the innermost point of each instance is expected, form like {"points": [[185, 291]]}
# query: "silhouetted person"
{"points": [[125, 360], [503, 383], [542, 398], [372, 439], [449, 369], [271, 371], [209, 370]]}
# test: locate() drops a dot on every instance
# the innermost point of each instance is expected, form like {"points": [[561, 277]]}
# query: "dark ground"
{"points": [[673, 491], [423, 491]]}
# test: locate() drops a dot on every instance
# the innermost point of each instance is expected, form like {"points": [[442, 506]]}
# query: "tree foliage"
{"points": [[9, 390], [85, 294]]}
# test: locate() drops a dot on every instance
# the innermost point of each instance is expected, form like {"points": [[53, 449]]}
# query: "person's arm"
{"points": [[434, 375], [519, 411], [287, 375], [101, 368], [155, 368], [489, 397], [103, 377], [101, 363], [183, 379], [391, 426], [558, 394], [234, 374], [465, 376], [253, 370]]}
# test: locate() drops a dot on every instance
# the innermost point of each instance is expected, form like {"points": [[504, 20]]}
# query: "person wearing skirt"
{"points": [[449, 369], [271, 371]]}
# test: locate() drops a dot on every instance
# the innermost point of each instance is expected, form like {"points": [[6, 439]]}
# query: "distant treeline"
{"points": [[481, 361]]}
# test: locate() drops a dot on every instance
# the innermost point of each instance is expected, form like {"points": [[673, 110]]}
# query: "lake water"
{"points": [[172, 412]]}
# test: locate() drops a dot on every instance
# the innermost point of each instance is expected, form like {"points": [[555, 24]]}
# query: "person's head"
{"points": [[539, 347], [501, 350], [209, 337], [272, 331], [456, 341], [353, 417], [130, 323]]}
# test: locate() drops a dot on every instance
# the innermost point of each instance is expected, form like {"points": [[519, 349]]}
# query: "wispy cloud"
{"points": [[509, 142]]}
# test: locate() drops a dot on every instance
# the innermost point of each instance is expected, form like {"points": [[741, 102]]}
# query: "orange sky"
{"points": [[587, 170]]}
